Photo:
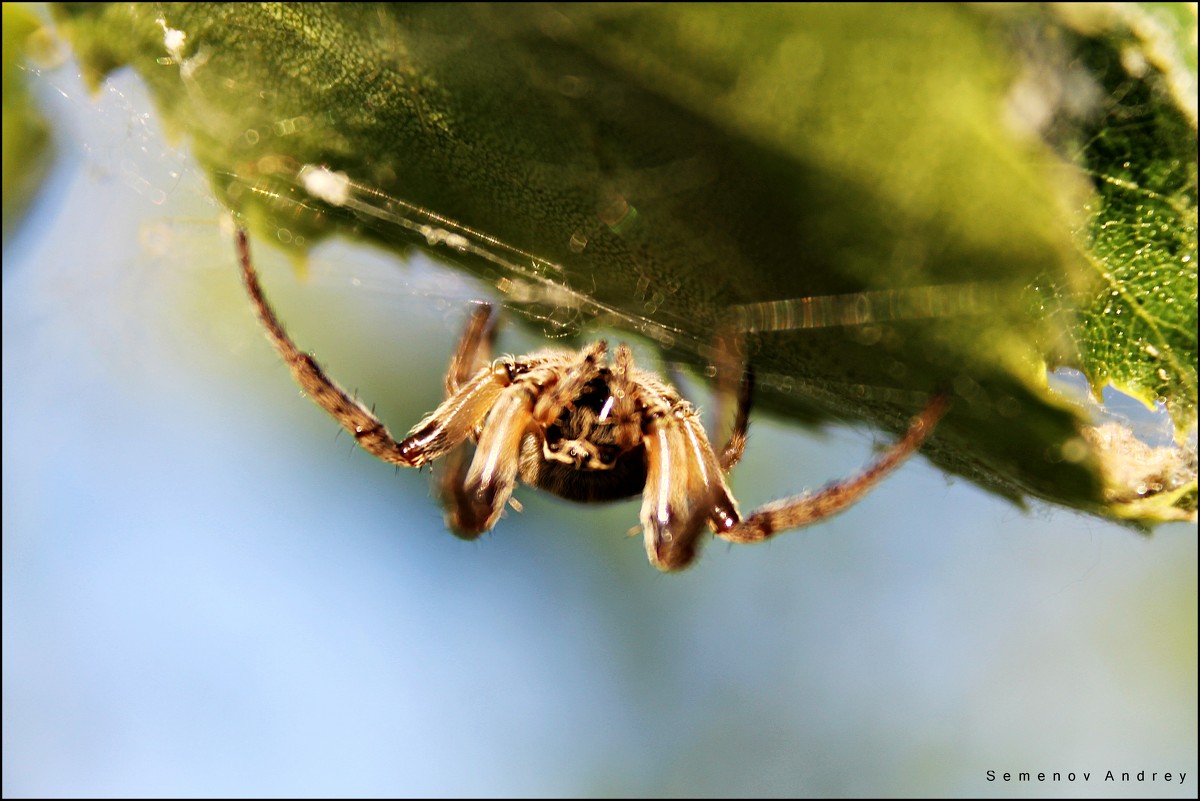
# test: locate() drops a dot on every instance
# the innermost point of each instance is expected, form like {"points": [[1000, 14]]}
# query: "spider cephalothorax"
{"points": [[585, 425]]}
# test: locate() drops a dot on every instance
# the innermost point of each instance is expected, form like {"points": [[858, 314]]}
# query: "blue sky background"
{"points": [[207, 592]]}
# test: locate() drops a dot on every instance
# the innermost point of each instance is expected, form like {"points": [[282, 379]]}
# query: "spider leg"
{"points": [[493, 473], [368, 430], [731, 364], [457, 418], [474, 349], [805, 509], [685, 488], [471, 356], [735, 446]]}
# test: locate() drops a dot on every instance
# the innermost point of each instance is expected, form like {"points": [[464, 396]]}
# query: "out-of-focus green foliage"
{"points": [[879, 200], [26, 134]]}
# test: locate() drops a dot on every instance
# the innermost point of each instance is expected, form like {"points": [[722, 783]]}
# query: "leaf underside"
{"points": [[877, 203]]}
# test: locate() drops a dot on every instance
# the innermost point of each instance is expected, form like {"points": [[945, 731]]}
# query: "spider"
{"points": [[583, 427]]}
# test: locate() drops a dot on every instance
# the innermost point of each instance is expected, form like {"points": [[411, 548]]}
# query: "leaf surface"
{"points": [[875, 202]]}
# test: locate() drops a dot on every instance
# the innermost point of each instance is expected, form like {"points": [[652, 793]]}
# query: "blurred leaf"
{"points": [[26, 134], [869, 194]]}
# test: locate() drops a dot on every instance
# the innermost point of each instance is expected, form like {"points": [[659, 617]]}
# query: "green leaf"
{"points": [[1136, 325], [1138, 331], [869, 197]]}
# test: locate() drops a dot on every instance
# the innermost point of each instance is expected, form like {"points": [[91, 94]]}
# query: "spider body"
{"points": [[575, 424], [585, 425], [592, 449], [589, 454]]}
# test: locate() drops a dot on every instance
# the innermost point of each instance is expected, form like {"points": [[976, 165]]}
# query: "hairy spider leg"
{"points": [[802, 510], [474, 350], [734, 381], [459, 416], [446, 427], [472, 355], [685, 488], [735, 446], [368, 430], [493, 473]]}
